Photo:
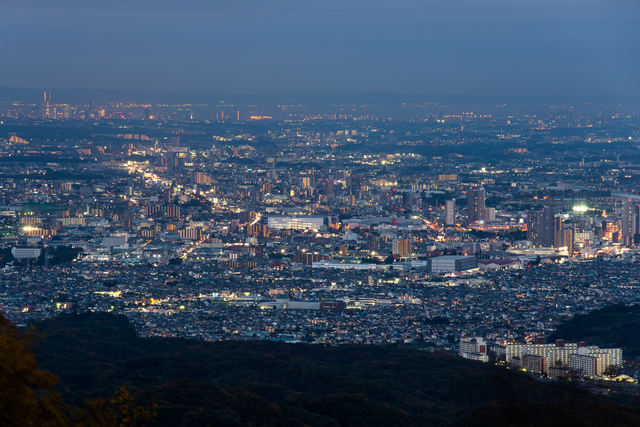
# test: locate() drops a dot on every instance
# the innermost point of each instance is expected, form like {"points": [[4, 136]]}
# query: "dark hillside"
{"points": [[611, 326], [199, 383]]}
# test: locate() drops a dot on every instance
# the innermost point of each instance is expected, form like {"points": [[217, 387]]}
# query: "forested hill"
{"points": [[611, 326], [234, 383]]}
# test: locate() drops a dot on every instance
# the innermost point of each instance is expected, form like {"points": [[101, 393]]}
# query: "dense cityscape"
{"points": [[320, 214], [416, 224]]}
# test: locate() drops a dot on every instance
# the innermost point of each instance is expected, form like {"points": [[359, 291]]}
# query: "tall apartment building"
{"points": [[583, 364], [474, 349], [489, 214], [475, 205], [190, 233], [202, 178], [401, 247], [450, 212], [564, 354], [541, 228], [628, 222]]}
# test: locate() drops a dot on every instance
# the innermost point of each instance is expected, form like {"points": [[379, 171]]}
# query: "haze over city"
{"points": [[466, 47]]}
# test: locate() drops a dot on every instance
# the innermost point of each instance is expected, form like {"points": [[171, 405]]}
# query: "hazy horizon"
{"points": [[463, 48]]}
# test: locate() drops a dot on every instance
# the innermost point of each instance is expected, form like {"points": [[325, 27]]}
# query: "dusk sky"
{"points": [[457, 47]]}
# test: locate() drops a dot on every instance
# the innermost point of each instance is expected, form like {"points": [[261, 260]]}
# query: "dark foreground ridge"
{"points": [[230, 383]]}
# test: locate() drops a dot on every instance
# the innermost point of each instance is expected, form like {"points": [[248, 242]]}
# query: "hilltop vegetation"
{"points": [[28, 396], [611, 326], [230, 383]]}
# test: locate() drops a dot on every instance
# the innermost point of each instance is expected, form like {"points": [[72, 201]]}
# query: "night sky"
{"points": [[456, 47]]}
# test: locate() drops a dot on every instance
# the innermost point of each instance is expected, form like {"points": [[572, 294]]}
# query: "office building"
{"points": [[296, 222], [451, 263], [25, 253]]}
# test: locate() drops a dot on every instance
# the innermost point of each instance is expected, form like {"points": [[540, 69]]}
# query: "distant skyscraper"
{"points": [[628, 222], [46, 106], [450, 212], [65, 112], [475, 205], [541, 228]]}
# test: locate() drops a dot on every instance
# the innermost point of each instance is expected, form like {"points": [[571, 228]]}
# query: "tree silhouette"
{"points": [[28, 396]]}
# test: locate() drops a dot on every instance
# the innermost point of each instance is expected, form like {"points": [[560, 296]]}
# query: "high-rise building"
{"points": [[173, 211], [568, 355], [475, 205], [568, 239], [489, 214], [64, 112], [46, 106], [628, 222], [450, 212], [329, 188], [558, 235], [585, 223], [190, 233], [202, 178], [541, 228], [401, 247]]}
